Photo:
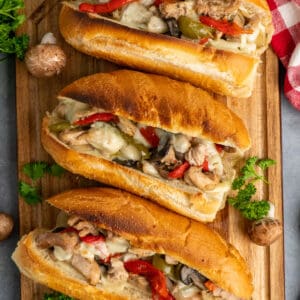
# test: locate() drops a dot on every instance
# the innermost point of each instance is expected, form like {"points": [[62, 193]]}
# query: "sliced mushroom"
{"points": [[173, 27], [127, 162], [207, 181], [189, 275], [170, 157], [164, 169], [65, 240]]}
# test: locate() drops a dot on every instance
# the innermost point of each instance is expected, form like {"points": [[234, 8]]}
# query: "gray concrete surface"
{"points": [[9, 276], [291, 196]]}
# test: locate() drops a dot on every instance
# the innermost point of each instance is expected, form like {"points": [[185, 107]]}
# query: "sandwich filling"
{"points": [[233, 25], [187, 162], [105, 259]]}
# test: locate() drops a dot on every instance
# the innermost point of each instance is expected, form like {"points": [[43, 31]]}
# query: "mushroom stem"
{"points": [[271, 213], [48, 38]]}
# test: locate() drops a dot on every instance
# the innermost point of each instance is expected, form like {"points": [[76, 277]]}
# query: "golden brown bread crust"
{"points": [[161, 102], [152, 227], [263, 4], [191, 204], [32, 263], [216, 70]]}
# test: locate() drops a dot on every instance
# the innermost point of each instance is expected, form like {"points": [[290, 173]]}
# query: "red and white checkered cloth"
{"points": [[286, 44]]}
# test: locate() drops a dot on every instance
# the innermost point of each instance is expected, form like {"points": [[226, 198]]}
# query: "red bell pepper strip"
{"points": [[179, 171], [155, 277], [203, 41], [150, 135], [205, 167], [219, 148], [104, 117], [229, 28], [103, 8], [210, 285], [90, 239]]}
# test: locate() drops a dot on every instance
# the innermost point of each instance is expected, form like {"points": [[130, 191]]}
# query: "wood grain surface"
{"points": [[261, 114]]}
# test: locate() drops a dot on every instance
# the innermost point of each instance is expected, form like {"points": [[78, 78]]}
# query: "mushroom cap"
{"points": [[265, 231], [45, 60], [6, 226]]}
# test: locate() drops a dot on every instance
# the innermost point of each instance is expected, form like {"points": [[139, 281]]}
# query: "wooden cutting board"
{"points": [[261, 114]]}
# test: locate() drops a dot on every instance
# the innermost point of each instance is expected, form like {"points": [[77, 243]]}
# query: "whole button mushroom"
{"points": [[6, 226], [46, 59], [265, 231]]}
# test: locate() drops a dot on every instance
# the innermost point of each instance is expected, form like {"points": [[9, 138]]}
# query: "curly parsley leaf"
{"points": [[266, 163], [244, 184], [10, 20], [57, 296], [238, 183], [255, 210], [248, 171], [29, 193]]}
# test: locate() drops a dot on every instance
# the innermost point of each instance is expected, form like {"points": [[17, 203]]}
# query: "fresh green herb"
{"points": [[266, 163], [56, 170], [57, 296], [252, 210], [10, 20], [29, 193], [36, 170]]}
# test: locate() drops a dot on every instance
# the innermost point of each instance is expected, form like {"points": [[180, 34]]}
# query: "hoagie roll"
{"points": [[114, 245], [211, 44], [156, 137]]}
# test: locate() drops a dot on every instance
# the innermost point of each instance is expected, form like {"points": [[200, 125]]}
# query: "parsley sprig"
{"points": [[35, 171], [10, 20], [57, 296], [252, 210]]}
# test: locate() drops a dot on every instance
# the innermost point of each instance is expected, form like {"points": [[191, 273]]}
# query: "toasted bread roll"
{"points": [[227, 67], [104, 152], [145, 226]]}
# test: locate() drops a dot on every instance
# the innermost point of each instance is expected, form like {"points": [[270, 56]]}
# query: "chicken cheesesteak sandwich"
{"points": [[115, 245], [158, 138], [204, 42]]}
